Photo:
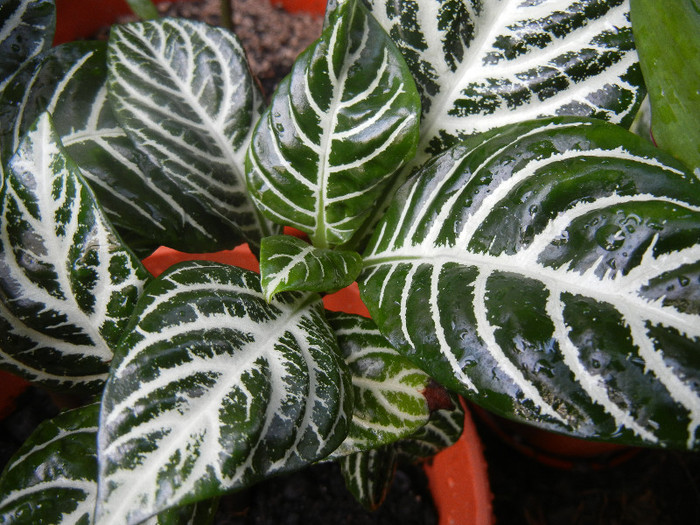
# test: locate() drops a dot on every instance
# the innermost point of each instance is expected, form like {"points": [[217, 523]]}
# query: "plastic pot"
{"points": [[457, 476], [552, 449], [11, 387], [78, 19]]}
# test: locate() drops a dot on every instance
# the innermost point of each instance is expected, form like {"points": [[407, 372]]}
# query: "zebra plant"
{"points": [[466, 162]]}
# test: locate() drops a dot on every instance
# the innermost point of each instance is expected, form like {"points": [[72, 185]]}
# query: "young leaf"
{"points": [[388, 390], [214, 389], [183, 93], [52, 479], [336, 132], [481, 64], [666, 34], [67, 283], [550, 271], [144, 9], [26, 30], [368, 475], [288, 263]]}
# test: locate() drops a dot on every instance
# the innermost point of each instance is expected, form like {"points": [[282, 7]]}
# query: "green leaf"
{"points": [[550, 272], [52, 479], [336, 132], [183, 93], [215, 389], [144, 9], [288, 263], [368, 475], [481, 64], [67, 283], [442, 430], [388, 390], [146, 208], [666, 34], [26, 30]]}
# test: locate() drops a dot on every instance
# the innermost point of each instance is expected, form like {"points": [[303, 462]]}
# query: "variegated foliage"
{"points": [[336, 132], [183, 92], [67, 283], [550, 271], [214, 389], [481, 64], [442, 430], [289, 263], [368, 475], [26, 29], [52, 479], [146, 208], [388, 390]]}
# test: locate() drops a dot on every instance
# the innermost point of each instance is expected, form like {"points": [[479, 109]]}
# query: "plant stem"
{"points": [[226, 14]]}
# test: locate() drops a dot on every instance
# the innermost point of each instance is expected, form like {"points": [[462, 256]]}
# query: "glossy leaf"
{"points": [[52, 479], [442, 430], [214, 389], [67, 283], [550, 271], [146, 208], [666, 34], [336, 132], [481, 64], [183, 93], [368, 475], [289, 263], [388, 390], [26, 30]]}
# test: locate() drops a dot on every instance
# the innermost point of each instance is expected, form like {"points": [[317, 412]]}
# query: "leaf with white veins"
{"points": [[67, 283], [388, 389], [214, 389], [26, 30], [549, 270], [481, 64], [338, 128], [288, 263], [52, 479], [183, 92]]}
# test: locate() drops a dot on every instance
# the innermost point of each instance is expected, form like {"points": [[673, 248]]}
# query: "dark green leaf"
{"points": [[214, 389], [288, 263], [550, 270]]}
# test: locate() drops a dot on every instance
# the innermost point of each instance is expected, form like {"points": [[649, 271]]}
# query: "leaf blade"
{"points": [[337, 130], [261, 384], [68, 284], [566, 318]]}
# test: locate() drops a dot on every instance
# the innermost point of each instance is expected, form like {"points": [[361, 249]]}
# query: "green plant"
{"points": [[543, 265]]}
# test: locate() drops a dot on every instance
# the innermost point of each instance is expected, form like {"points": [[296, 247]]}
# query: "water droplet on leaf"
{"points": [[610, 237]]}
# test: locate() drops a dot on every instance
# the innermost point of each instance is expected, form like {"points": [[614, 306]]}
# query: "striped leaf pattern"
{"points": [[52, 479], [338, 128], [368, 475], [442, 430], [214, 389], [183, 93], [289, 263], [388, 390], [549, 270], [26, 30], [67, 283], [481, 64]]}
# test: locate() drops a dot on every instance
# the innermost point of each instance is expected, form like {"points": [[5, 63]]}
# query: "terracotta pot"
{"points": [[11, 386], [457, 476], [552, 449], [76, 19]]}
